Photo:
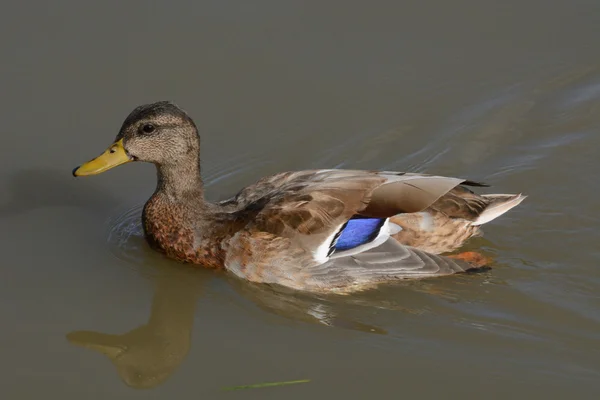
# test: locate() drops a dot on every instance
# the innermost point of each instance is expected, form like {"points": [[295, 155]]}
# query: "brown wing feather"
{"points": [[407, 196], [316, 202], [318, 207]]}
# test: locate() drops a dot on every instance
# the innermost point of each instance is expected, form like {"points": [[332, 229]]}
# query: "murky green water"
{"points": [[504, 92]]}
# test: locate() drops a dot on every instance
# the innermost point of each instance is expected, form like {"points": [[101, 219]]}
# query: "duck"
{"points": [[318, 230]]}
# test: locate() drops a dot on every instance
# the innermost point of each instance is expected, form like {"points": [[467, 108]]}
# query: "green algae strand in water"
{"points": [[267, 384]]}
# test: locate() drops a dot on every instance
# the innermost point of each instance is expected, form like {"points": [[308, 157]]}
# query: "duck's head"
{"points": [[160, 133]]}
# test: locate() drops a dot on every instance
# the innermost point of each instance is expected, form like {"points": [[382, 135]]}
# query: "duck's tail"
{"points": [[498, 205]]}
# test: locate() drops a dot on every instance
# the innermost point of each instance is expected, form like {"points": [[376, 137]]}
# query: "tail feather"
{"points": [[499, 204]]}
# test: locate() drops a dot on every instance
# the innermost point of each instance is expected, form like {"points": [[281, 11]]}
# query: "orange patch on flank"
{"points": [[473, 258]]}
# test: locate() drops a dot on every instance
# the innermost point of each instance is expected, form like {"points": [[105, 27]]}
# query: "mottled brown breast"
{"points": [[168, 230]]}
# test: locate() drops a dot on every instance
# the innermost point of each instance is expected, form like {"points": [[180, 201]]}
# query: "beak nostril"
{"points": [[112, 150]]}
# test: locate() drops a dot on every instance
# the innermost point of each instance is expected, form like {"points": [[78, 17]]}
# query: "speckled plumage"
{"points": [[282, 229]]}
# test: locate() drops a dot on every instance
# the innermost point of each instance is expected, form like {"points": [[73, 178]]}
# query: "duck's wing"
{"points": [[320, 201], [397, 191]]}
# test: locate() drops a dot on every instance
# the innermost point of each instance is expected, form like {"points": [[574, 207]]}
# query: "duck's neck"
{"points": [[181, 181]]}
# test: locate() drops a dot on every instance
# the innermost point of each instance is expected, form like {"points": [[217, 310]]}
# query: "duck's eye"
{"points": [[148, 128]]}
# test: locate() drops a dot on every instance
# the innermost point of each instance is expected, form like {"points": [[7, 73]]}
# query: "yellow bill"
{"points": [[113, 156]]}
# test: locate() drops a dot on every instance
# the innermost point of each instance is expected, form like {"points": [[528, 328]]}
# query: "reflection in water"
{"points": [[147, 355], [302, 306]]}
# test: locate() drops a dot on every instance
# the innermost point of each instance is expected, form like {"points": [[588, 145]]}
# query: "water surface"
{"points": [[502, 92]]}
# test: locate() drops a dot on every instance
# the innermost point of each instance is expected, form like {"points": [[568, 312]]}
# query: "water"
{"points": [[503, 92]]}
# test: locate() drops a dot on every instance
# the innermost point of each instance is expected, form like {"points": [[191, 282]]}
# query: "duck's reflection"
{"points": [[147, 355], [305, 307]]}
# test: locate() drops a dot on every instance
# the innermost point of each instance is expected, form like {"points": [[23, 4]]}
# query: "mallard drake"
{"points": [[326, 230]]}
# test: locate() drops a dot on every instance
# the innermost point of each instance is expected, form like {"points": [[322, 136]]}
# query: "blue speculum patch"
{"points": [[358, 231]]}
